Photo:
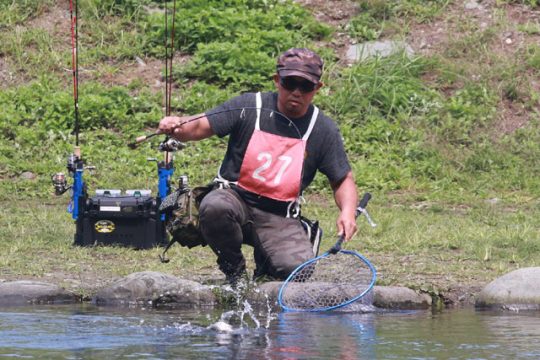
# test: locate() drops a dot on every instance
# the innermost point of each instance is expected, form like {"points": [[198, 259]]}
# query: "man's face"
{"points": [[295, 94]]}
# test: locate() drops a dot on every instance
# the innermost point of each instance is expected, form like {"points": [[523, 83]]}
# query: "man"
{"points": [[277, 142]]}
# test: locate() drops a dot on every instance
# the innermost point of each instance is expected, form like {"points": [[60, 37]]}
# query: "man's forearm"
{"points": [[345, 194]]}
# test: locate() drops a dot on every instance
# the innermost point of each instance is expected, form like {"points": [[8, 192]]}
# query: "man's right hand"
{"points": [[186, 128], [168, 124]]}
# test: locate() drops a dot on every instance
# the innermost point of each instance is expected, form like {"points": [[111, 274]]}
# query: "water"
{"points": [[87, 332]]}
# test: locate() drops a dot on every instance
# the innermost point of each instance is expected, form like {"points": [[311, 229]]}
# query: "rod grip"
{"points": [[140, 139]]}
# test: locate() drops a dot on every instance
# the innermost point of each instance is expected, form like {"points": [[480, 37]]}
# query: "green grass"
{"points": [[417, 244], [13, 12]]}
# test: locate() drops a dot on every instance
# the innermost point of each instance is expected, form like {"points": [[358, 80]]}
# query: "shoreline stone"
{"points": [[155, 289], [25, 292], [518, 290]]}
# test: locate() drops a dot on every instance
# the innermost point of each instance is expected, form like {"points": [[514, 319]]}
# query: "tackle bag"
{"points": [[181, 209]]}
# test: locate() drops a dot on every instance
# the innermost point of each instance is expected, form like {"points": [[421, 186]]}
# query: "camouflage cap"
{"points": [[300, 62]]}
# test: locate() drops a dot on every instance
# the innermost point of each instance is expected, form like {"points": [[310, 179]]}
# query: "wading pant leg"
{"points": [[283, 241], [222, 214]]}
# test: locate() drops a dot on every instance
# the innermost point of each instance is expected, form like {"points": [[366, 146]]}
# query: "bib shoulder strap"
{"points": [[258, 105], [311, 123]]}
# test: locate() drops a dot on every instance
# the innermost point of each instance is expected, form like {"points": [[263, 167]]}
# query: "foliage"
{"points": [[531, 3], [204, 22], [44, 107], [14, 12], [401, 130], [375, 16], [100, 8], [389, 87], [469, 109], [533, 57], [228, 36], [198, 97], [219, 63]]}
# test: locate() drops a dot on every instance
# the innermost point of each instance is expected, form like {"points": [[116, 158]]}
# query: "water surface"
{"points": [[88, 332]]}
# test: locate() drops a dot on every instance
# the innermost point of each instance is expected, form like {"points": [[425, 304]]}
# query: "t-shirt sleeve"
{"points": [[334, 163], [225, 117]]}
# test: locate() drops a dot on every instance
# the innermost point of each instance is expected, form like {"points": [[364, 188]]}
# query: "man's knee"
{"points": [[285, 265], [214, 203]]}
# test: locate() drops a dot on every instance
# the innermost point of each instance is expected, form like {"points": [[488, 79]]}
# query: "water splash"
{"points": [[243, 316], [221, 327]]}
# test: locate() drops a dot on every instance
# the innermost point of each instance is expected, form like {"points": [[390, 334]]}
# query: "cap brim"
{"points": [[284, 73]]}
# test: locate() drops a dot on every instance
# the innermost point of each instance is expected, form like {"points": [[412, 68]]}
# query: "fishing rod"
{"points": [[140, 139], [109, 216], [75, 63], [168, 78], [166, 167], [75, 164]]}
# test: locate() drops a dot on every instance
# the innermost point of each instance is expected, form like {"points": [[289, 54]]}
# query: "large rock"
{"points": [[400, 298], [517, 290], [24, 292], [371, 49], [385, 297], [151, 288]]}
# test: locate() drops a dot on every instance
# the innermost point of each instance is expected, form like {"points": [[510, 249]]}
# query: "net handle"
{"points": [[359, 210]]}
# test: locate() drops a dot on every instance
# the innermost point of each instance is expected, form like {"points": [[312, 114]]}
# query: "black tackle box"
{"points": [[111, 218]]}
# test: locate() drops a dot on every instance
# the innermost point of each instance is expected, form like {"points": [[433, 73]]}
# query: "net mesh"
{"points": [[327, 282]]}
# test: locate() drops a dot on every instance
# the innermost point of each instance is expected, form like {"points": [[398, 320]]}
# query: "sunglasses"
{"points": [[292, 84]]}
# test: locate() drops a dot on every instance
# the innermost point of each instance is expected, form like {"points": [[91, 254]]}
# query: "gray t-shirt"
{"points": [[236, 118]]}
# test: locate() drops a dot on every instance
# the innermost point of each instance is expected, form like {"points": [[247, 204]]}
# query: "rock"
{"points": [[28, 175], [517, 290], [385, 297], [140, 61], [268, 289], [155, 289], [471, 5], [400, 298], [24, 292], [361, 52]]}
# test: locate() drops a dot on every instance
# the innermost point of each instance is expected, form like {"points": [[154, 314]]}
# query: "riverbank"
{"points": [[445, 251], [157, 290], [452, 164], [516, 291]]}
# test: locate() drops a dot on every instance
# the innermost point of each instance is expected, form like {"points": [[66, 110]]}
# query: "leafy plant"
{"points": [[364, 27], [381, 87], [14, 12], [235, 43]]}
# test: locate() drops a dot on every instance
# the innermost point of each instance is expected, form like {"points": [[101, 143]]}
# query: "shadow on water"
{"points": [[88, 332]]}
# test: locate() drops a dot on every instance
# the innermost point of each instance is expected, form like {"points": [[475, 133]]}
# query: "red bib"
{"points": [[272, 165]]}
